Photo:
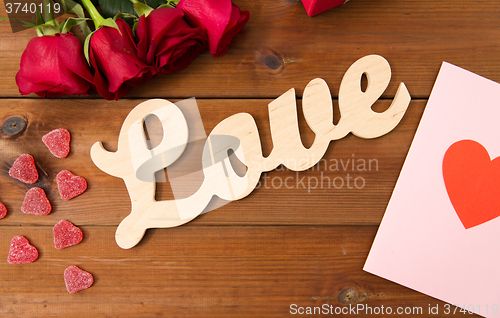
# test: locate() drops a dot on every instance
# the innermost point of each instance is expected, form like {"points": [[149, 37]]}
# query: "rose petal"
{"points": [[212, 15], [237, 22], [167, 41], [220, 18], [152, 29], [113, 54], [53, 66]]}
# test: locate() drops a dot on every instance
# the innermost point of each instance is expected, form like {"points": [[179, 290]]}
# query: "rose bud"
{"points": [[167, 41], [54, 65], [113, 55], [221, 19]]}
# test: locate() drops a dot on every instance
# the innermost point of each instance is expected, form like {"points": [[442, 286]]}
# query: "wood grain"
{"points": [[240, 134], [324, 187], [285, 243], [281, 47], [201, 271]]}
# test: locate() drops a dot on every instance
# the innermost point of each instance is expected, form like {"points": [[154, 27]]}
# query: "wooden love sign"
{"points": [[133, 160]]}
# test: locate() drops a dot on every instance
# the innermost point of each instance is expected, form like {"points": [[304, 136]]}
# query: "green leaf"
{"points": [[69, 23], [134, 27], [86, 47], [26, 24], [48, 15], [166, 5], [110, 8], [142, 9], [95, 2], [172, 3], [131, 19], [85, 28], [1, 19], [39, 18], [38, 31], [72, 7], [49, 29], [41, 29], [109, 22], [124, 16], [157, 3]]}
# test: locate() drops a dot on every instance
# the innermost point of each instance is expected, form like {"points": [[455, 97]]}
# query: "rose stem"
{"points": [[48, 14], [94, 14]]}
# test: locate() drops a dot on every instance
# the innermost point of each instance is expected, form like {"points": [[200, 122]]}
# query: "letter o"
{"points": [[335, 183], [356, 182], [272, 183]]}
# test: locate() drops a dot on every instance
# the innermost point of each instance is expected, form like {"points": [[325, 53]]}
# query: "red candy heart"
{"points": [[36, 202], [66, 234], [77, 279], [70, 185], [58, 142], [471, 179], [21, 251], [24, 169], [3, 210]]}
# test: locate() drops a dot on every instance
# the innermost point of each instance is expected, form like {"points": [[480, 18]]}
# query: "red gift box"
{"points": [[314, 7]]}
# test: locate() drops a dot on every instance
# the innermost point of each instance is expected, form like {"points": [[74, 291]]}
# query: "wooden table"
{"points": [[279, 246]]}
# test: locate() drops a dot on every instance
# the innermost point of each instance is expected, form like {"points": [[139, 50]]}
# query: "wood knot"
{"points": [[272, 62], [348, 296], [14, 126]]}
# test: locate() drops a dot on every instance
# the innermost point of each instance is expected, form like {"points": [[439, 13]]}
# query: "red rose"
{"points": [[221, 19], [167, 42], [54, 65], [113, 55]]}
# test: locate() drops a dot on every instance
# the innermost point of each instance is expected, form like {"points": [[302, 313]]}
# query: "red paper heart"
{"points": [[24, 169], [472, 182], [36, 202], [21, 251], [70, 185], [66, 234], [58, 142], [77, 279]]}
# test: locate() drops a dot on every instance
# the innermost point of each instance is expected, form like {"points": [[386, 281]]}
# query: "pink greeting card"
{"points": [[440, 234]]}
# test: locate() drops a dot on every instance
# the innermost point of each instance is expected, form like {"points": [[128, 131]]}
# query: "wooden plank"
{"points": [[336, 191], [281, 47], [203, 271], [135, 154]]}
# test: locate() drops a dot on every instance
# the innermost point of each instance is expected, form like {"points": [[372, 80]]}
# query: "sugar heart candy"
{"points": [[3, 210], [21, 251], [77, 279], [66, 234], [58, 142], [24, 169], [36, 202], [70, 185]]}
